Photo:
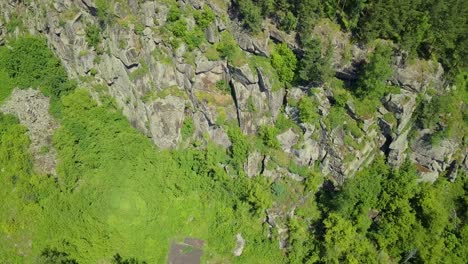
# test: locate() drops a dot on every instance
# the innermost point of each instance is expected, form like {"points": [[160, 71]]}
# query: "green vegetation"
{"points": [[6, 85], [30, 63], [116, 198], [177, 25], [174, 14], [112, 181], [436, 29], [284, 61], [251, 14], [315, 65], [14, 23], [223, 86], [445, 114], [104, 12], [308, 110], [204, 17], [240, 147], [336, 117], [140, 71], [93, 37], [187, 128], [373, 79], [268, 135], [229, 50], [385, 212]]}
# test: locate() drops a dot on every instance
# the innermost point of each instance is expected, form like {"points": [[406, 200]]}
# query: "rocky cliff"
{"points": [[160, 84]]}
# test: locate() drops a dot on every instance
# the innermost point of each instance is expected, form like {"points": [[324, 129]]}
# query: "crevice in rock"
{"points": [[92, 10], [261, 83], [129, 66], [385, 148], [285, 99], [234, 97], [199, 107], [264, 161]]}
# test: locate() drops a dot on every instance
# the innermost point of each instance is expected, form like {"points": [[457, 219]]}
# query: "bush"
{"points": [[288, 21], [240, 146], [104, 12], [340, 96], [229, 50], [194, 39], [6, 85], [178, 28], [227, 47], [174, 14], [308, 110], [279, 189], [284, 61], [336, 117], [205, 17], [268, 136], [250, 14], [212, 54], [187, 128], [93, 37], [14, 23], [223, 86]]}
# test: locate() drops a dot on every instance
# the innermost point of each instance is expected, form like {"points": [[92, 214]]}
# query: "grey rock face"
{"points": [[287, 140], [166, 117], [397, 149], [402, 105], [243, 74], [211, 34], [419, 75], [204, 65], [432, 158], [157, 86], [249, 43], [32, 109], [240, 243], [253, 165]]}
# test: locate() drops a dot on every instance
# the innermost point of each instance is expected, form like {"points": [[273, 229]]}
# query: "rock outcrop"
{"points": [[32, 110], [159, 84]]}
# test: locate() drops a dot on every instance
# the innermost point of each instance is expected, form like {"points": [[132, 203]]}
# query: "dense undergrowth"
{"points": [[116, 194]]}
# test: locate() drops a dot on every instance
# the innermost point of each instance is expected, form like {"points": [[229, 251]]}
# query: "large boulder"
{"points": [[432, 159], [418, 76]]}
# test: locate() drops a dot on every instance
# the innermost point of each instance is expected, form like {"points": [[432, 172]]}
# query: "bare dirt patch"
{"points": [[187, 252]]}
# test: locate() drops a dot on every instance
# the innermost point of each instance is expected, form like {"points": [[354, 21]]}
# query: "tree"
{"points": [[284, 61], [372, 81], [314, 66], [251, 15], [343, 244]]}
